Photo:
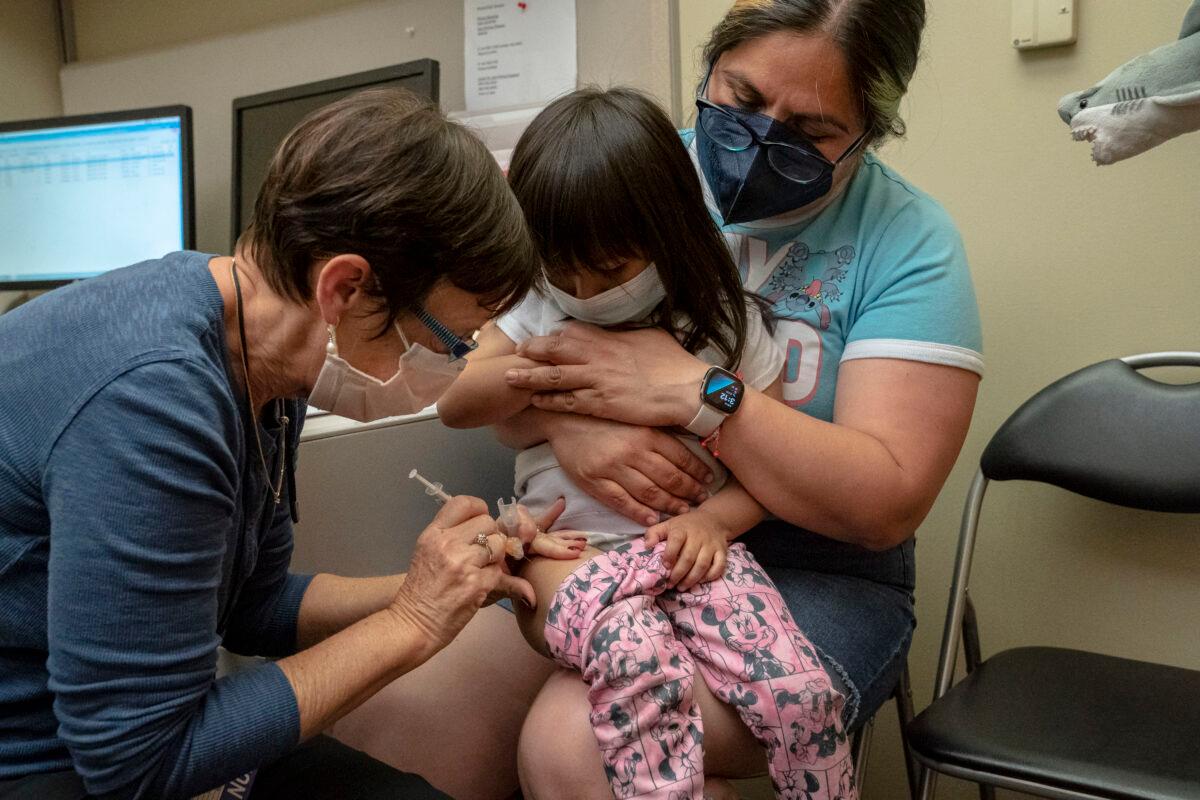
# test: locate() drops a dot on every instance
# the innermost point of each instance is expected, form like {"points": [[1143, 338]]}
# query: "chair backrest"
{"points": [[1105, 432], [1110, 433]]}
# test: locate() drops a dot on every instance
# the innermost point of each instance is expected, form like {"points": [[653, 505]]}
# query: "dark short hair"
{"points": [[603, 175], [880, 40], [383, 174]]}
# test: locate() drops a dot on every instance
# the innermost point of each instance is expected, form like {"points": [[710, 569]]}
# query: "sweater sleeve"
{"points": [[268, 608], [141, 488]]}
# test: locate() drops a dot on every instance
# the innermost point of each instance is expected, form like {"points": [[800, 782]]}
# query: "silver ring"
{"points": [[482, 540]]}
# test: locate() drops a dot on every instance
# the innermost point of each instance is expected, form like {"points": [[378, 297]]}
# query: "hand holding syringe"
{"points": [[560, 544], [512, 545]]}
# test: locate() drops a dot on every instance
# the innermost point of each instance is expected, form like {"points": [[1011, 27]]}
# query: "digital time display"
{"points": [[723, 391]]}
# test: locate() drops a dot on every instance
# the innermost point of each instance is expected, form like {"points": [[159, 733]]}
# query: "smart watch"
{"points": [[721, 393]]}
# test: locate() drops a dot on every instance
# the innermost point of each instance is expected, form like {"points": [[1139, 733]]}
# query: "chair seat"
{"points": [[1073, 720]]}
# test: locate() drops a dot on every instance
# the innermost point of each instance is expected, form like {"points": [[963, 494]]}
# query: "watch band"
{"points": [[707, 420]]}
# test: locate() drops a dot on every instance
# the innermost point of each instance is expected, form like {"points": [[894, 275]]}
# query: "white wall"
{"points": [[620, 41], [1072, 264]]}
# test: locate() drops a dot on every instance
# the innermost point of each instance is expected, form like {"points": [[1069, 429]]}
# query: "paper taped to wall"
{"points": [[518, 52]]}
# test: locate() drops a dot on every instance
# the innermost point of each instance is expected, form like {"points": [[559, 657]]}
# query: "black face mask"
{"points": [[757, 167]]}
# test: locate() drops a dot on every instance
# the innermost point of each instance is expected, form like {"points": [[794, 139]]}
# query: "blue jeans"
{"points": [[855, 605]]}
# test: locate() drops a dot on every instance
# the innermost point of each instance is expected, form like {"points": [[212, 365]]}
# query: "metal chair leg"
{"points": [[972, 655], [906, 712], [860, 751], [927, 785]]}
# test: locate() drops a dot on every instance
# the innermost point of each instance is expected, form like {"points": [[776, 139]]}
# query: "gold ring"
{"points": [[482, 540]]}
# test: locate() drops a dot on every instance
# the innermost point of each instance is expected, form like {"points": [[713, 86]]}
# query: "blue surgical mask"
{"points": [[757, 167]]}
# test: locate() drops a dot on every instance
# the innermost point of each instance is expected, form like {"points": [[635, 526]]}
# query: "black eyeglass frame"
{"points": [[703, 102]]}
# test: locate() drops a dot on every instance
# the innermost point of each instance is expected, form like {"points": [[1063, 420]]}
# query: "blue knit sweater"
{"points": [[136, 535]]}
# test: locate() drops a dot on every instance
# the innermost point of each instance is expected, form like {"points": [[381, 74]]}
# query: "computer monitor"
{"points": [[81, 195], [261, 121]]}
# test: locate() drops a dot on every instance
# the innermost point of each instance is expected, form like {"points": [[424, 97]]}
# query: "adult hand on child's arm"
{"points": [[480, 396], [643, 377], [633, 470]]}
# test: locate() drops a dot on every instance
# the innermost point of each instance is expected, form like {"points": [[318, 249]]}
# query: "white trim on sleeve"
{"points": [[911, 350]]}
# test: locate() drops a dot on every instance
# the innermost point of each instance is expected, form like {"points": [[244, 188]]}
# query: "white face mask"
{"points": [[628, 302], [421, 378]]}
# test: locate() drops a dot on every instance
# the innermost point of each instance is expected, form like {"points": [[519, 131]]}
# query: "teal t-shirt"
{"points": [[879, 273]]}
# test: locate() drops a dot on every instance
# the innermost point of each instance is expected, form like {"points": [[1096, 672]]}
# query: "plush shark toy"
{"points": [[1144, 102]]}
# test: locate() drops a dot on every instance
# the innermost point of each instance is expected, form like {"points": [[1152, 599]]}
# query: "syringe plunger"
{"points": [[432, 489]]}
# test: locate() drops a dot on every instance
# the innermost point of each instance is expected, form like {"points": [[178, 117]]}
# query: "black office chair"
{"points": [[1066, 723]]}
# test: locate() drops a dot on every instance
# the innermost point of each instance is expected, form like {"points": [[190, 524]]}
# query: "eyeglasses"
{"points": [[458, 346], [790, 161]]}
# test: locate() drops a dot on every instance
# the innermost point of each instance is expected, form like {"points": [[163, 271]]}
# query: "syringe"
{"points": [[434, 490], [510, 520], [508, 514]]}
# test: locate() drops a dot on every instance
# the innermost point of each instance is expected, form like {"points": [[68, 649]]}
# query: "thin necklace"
{"points": [[277, 489]]}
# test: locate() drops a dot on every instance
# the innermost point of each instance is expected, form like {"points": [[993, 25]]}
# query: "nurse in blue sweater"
{"points": [[149, 421]]}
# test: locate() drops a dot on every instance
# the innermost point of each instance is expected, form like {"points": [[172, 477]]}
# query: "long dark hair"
{"points": [[603, 176], [880, 39]]}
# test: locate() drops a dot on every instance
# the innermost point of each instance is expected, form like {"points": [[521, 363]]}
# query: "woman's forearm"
{"points": [[818, 475], [335, 676], [480, 396], [870, 476], [332, 603]]}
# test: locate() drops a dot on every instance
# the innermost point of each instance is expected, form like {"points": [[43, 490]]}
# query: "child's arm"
{"points": [[481, 396], [697, 541]]}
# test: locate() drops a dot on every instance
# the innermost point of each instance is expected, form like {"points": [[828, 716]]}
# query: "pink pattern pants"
{"points": [[638, 645]]}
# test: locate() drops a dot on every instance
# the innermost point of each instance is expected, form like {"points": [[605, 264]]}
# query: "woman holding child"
{"points": [[878, 348]]}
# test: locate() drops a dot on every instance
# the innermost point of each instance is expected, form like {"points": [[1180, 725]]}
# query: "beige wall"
{"points": [[620, 41], [113, 28], [1072, 264], [29, 61]]}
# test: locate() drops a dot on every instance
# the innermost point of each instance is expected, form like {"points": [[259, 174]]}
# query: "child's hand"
{"points": [[558, 544], [696, 546]]}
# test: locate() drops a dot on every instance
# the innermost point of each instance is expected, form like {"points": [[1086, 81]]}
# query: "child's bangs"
{"points": [[591, 226], [576, 174]]}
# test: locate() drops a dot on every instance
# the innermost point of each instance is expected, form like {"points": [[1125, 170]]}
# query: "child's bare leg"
{"points": [[546, 575], [719, 789]]}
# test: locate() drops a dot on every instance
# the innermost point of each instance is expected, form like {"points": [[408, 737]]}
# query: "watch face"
{"points": [[723, 391]]}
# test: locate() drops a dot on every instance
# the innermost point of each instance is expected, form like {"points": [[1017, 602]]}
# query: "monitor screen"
{"points": [[83, 195], [261, 121]]}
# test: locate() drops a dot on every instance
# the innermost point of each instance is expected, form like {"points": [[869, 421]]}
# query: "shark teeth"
{"points": [[1084, 134]]}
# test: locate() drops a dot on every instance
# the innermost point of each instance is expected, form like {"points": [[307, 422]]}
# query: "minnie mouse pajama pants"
{"points": [[638, 645]]}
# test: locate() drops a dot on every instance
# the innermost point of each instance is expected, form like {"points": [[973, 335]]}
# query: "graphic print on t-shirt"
{"points": [[801, 284], [794, 286]]}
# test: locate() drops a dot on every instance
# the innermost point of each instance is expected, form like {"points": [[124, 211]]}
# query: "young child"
{"points": [[618, 213]]}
